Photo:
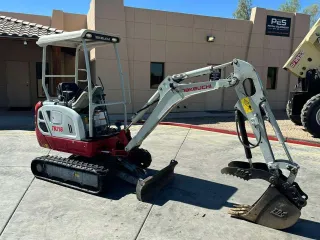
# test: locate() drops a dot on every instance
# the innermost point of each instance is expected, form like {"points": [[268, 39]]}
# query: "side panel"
{"points": [[62, 122], [113, 144]]}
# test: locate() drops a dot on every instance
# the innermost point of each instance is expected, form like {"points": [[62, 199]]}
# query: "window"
{"points": [[156, 74], [272, 77], [39, 79]]}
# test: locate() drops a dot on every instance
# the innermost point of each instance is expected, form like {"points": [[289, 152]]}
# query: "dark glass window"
{"points": [[39, 69], [272, 77], [156, 74]]}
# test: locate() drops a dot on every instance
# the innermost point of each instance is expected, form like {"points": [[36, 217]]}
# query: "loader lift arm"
{"points": [[252, 105]]}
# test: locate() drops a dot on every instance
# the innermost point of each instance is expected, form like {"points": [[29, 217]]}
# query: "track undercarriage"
{"points": [[93, 175]]}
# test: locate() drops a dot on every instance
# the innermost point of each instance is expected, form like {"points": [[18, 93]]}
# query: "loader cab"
{"points": [[81, 103]]}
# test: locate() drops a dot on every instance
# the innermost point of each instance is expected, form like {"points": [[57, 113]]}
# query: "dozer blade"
{"points": [[272, 210], [147, 188]]}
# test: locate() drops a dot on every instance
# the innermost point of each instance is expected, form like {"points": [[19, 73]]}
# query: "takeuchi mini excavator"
{"points": [[76, 121]]}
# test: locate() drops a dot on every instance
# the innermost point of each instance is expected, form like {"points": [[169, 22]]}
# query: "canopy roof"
{"points": [[74, 38]]}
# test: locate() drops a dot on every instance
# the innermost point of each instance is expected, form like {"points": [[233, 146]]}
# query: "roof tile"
{"points": [[20, 28]]}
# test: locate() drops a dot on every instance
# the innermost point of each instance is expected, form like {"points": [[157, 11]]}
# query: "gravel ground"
{"points": [[288, 129]]}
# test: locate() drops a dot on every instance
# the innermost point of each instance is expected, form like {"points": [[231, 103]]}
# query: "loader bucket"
{"points": [[272, 210]]}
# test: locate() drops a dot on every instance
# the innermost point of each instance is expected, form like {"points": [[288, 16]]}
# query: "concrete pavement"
{"points": [[194, 206]]}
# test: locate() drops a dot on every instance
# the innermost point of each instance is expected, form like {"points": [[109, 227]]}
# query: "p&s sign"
{"points": [[278, 26]]}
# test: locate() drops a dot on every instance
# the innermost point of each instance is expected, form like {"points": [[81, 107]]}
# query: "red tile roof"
{"points": [[12, 27]]}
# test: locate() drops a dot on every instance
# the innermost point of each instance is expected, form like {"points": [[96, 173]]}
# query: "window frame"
{"points": [[163, 74]]}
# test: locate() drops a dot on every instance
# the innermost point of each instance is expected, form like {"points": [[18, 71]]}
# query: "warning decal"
{"points": [[246, 105]]}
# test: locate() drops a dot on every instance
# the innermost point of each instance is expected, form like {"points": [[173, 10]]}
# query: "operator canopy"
{"points": [[74, 39]]}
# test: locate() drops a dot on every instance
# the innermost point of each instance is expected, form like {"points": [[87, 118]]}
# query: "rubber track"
{"points": [[77, 164], [305, 110]]}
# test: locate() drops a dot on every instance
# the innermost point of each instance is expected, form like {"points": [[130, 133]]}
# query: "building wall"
{"points": [[273, 51], [14, 50], [179, 40]]}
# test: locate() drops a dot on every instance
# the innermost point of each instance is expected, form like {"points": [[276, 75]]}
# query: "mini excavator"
{"points": [[77, 122]]}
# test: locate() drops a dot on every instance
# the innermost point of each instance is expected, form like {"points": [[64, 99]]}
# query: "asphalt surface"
{"points": [[193, 206]]}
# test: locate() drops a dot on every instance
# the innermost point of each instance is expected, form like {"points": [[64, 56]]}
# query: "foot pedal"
{"points": [[147, 188], [272, 210]]}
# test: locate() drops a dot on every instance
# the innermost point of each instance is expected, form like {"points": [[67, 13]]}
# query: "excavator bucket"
{"points": [[280, 205], [272, 210]]}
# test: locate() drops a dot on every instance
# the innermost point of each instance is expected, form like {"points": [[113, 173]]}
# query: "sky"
{"points": [[217, 8]]}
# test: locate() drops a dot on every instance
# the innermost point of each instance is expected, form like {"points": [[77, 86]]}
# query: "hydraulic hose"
{"points": [[239, 118]]}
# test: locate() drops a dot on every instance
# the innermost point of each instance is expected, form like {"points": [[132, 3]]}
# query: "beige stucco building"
{"points": [[155, 44]]}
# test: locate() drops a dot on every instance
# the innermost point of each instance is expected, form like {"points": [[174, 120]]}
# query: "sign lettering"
{"points": [[278, 26], [279, 213], [197, 88], [57, 129], [297, 59]]}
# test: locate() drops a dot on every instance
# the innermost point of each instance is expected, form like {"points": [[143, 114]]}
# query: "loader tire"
{"points": [[309, 114], [294, 120]]}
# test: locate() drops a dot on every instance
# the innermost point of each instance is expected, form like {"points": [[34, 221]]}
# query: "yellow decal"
{"points": [[246, 105], [75, 174]]}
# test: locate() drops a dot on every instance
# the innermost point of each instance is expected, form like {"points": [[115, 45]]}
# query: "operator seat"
{"points": [[83, 100], [67, 91]]}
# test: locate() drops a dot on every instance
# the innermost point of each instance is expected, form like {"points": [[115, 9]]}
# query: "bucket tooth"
{"points": [[147, 188], [272, 210]]}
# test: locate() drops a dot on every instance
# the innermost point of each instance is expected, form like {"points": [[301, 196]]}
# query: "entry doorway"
{"points": [[18, 84]]}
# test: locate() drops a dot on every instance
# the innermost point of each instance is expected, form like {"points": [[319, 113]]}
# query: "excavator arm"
{"points": [[279, 207]]}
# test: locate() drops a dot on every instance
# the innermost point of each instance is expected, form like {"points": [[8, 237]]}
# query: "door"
{"points": [[18, 84]]}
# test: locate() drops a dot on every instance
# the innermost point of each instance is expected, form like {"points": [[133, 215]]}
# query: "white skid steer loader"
{"points": [[98, 151]]}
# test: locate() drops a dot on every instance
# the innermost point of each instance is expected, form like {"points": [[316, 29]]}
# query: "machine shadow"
{"points": [[184, 189], [17, 120], [305, 228]]}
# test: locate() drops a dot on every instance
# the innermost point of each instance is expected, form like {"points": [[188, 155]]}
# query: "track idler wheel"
{"points": [[272, 210]]}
